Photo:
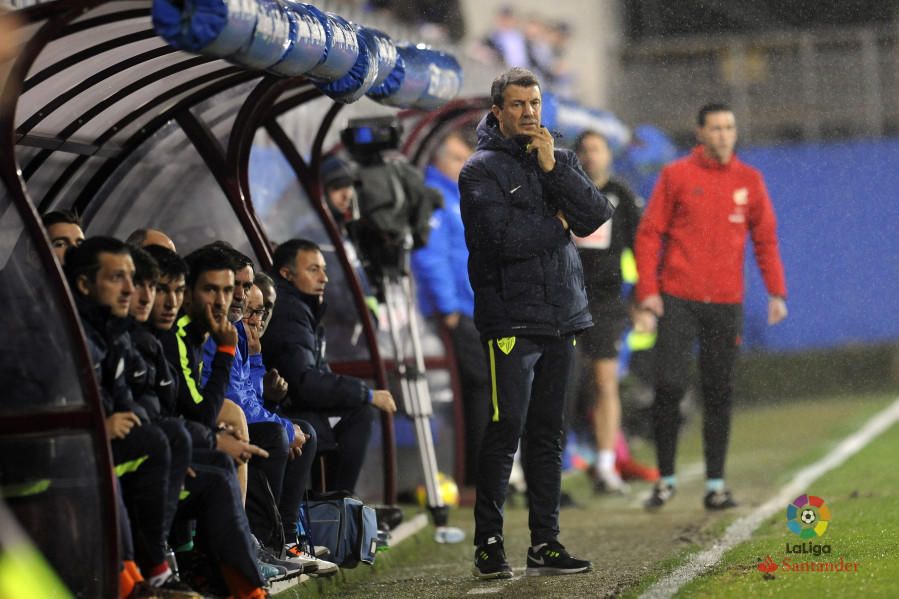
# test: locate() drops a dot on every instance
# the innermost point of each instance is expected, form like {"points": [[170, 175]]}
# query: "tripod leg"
{"points": [[417, 403]]}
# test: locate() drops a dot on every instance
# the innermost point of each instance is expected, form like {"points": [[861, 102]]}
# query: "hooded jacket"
{"points": [[183, 348], [523, 266], [153, 382], [245, 384], [111, 351], [295, 346]]}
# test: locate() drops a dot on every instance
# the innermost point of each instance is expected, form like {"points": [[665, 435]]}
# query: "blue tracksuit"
{"points": [[245, 386], [441, 267]]}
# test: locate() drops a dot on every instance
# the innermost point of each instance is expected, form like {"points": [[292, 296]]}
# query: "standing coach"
{"points": [[690, 248], [521, 201]]}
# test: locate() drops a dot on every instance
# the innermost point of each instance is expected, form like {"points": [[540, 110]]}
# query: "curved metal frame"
{"points": [[89, 419], [132, 144]]}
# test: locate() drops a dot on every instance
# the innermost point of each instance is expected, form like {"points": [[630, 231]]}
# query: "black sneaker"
{"points": [[719, 500], [661, 494], [490, 560], [174, 587], [280, 569], [291, 569], [388, 516], [551, 559]]}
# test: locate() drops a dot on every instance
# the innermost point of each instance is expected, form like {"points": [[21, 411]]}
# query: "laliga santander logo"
{"points": [[808, 517]]}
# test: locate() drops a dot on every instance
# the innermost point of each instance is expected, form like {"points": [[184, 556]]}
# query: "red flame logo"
{"points": [[768, 566]]}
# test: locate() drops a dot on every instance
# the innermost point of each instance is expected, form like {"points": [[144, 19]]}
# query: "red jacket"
{"points": [[692, 237]]}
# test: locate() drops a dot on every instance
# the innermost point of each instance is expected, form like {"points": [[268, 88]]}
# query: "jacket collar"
{"points": [[186, 327], [100, 317], [491, 138], [699, 157], [286, 288]]}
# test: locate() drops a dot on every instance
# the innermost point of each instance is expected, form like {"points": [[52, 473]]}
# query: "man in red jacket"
{"points": [[689, 251]]}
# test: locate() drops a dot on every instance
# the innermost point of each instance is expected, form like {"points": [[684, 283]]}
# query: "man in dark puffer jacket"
{"points": [[521, 200], [295, 346]]}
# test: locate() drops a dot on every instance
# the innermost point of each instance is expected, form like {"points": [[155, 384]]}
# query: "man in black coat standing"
{"points": [[521, 200]]}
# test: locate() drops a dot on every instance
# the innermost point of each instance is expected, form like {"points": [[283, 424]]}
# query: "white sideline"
{"points": [[407, 529], [743, 528]]}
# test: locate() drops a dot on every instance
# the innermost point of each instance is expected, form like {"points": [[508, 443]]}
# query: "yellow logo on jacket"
{"points": [[506, 344]]}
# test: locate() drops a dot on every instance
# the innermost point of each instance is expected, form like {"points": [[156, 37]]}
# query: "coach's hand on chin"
{"points": [[543, 143]]}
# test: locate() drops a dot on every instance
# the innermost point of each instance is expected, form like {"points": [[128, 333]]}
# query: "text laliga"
{"points": [[809, 547]]}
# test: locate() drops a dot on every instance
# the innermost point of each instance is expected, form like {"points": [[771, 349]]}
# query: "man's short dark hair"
{"points": [[84, 259], [580, 139], [146, 270], [709, 109], [171, 265], [514, 76], [205, 259], [55, 217], [286, 253], [241, 260]]}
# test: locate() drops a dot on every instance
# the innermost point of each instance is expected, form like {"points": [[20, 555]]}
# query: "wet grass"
{"points": [[863, 495], [629, 547]]}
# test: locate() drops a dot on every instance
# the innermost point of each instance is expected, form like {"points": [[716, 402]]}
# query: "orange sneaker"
{"points": [[633, 470]]}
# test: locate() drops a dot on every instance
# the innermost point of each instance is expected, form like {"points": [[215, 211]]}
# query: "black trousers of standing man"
{"points": [[528, 379], [718, 327]]}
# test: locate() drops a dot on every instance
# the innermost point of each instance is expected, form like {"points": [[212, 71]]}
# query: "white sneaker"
{"points": [[311, 564], [609, 483]]}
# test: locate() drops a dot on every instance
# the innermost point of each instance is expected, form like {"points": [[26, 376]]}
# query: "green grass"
{"points": [[863, 495], [334, 586], [631, 548]]}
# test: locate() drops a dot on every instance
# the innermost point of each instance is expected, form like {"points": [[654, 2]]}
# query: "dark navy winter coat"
{"points": [[523, 266], [295, 346]]}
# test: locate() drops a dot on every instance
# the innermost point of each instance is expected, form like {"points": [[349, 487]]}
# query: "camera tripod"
{"points": [[416, 397]]}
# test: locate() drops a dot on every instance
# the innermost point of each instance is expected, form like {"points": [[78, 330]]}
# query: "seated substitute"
{"points": [[64, 230], [99, 272], [150, 237], [295, 346], [211, 494], [285, 471]]}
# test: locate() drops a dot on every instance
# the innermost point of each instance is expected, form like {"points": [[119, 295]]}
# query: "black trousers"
{"points": [[287, 478], [475, 381], [528, 387], [718, 328], [180, 449], [126, 542], [348, 440], [213, 500], [142, 460]]}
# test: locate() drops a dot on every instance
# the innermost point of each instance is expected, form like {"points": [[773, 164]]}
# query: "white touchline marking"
{"points": [[407, 529], [741, 529]]}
